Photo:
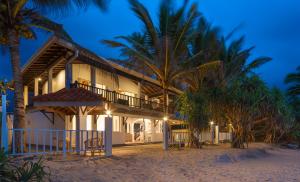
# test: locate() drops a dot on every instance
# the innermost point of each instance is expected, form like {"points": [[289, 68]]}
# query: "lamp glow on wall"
{"points": [[108, 113]]}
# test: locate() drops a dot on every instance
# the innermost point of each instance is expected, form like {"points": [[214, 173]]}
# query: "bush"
{"points": [[27, 171]]}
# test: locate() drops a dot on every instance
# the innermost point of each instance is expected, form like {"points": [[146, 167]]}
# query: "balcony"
{"points": [[117, 98]]}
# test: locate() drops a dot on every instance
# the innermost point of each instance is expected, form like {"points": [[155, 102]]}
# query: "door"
{"points": [[137, 132]]}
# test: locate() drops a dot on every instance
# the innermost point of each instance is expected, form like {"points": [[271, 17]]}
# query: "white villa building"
{"points": [[76, 101], [70, 88]]}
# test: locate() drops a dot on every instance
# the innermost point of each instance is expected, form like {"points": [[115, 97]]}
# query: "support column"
{"points": [[93, 76], [139, 90], [165, 135], [152, 130], [108, 136], [50, 83], [216, 134], [80, 125], [4, 129], [68, 77], [25, 95], [36, 86]]}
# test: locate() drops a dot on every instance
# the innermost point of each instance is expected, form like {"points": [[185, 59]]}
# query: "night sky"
{"points": [[273, 26]]}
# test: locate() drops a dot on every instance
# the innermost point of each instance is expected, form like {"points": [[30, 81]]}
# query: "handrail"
{"points": [[114, 97]]}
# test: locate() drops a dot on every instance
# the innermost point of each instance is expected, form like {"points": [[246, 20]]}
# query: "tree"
{"points": [[162, 48], [18, 18], [16, 22], [193, 108], [294, 80]]}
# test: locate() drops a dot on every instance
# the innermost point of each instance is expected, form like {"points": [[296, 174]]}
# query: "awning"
{"points": [[72, 97]]}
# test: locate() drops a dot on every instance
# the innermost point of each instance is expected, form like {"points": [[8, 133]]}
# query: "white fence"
{"points": [[51, 141], [179, 137], [223, 137]]}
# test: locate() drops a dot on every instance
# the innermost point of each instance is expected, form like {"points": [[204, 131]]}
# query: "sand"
{"points": [[260, 162]]}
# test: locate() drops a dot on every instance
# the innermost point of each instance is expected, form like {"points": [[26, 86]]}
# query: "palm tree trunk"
{"points": [[19, 112]]}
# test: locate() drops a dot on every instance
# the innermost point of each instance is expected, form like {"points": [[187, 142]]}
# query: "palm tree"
{"points": [[18, 22], [294, 80], [162, 48]]}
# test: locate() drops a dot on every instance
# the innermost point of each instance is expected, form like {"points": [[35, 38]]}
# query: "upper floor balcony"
{"points": [[125, 100]]}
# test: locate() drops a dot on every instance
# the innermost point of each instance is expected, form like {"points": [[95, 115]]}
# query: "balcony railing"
{"points": [[115, 97]]}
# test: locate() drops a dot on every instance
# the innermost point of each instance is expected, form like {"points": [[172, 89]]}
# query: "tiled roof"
{"points": [[69, 95]]}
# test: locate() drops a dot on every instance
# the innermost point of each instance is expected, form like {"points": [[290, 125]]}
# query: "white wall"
{"points": [[45, 88], [37, 120], [118, 138], [81, 73], [59, 81], [124, 84]]}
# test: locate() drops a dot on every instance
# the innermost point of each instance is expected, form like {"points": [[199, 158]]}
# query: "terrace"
{"points": [[122, 99]]}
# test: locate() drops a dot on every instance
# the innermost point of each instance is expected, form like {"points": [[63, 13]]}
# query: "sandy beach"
{"points": [[261, 162]]}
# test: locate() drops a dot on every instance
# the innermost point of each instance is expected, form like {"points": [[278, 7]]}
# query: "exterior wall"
{"points": [[45, 88], [36, 120], [81, 73], [118, 138], [58, 83], [127, 85], [124, 84]]}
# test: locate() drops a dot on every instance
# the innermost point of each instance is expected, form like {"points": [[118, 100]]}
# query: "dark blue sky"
{"points": [[273, 26]]}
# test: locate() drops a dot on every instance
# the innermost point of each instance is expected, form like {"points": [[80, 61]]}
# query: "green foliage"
{"points": [[28, 171], [193, 107], [6, 173], [293, 79]]}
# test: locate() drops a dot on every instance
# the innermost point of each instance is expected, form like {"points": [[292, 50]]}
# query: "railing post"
{"points": [[4, 129], [64, 143]]}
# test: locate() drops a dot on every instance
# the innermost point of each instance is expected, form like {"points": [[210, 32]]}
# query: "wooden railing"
{"points": [[115, 97]]}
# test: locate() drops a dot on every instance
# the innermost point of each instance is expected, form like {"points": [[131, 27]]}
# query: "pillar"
{"points": [[25, 95], [216, 134], [93, 76], [108, 136], [139, 90], [68, 77], [36, 86], [50, 83], [152, 130], [80, 125], [4, 129], [165, 135]]}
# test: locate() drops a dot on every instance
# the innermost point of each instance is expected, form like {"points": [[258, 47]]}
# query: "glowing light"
{"points": [[108, 112], [39, 79], [165, 118], [211, 123]]}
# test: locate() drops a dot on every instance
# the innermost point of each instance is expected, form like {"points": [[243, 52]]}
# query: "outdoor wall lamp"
{"points": [[165, 118]]}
